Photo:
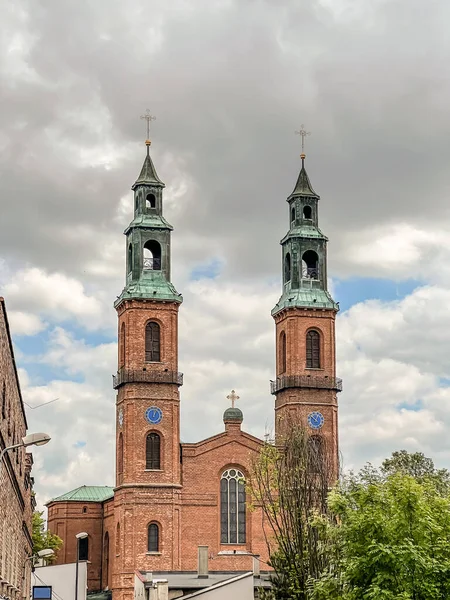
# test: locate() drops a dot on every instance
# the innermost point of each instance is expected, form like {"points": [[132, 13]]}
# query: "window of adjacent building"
{"points": [[106, 560], [152, 256], [282, 352], [313, 349], [150, 201], [83, 549], [153, 538], [122, 345], [152, 342], [232, 507], [153, 451], [85, 509]]}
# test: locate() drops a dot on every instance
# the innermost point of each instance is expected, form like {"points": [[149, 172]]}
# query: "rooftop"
{"points": [[87, 493]]}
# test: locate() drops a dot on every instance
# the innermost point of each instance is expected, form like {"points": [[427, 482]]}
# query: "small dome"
{"points": [[233, 414]]}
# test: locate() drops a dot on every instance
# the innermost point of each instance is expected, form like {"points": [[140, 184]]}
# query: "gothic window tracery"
{"points": [[313, 349], [232, 507], [152, 342], [153, 451]]}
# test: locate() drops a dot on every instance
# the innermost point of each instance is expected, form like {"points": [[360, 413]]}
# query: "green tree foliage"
{"points": [[290, 483], [390, 533], [42, 538]]}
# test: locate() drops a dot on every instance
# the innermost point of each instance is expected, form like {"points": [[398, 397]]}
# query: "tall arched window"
{"points": [[106, 561], [232, 507], [310, 265], [287, 268], [313, 349], [130, 258], [120, 458], [293, 214], [136, 202], [307, 212], [282, 352], [152, 342], [83, 548], [152, 256], [316, 453], [122, 345], [150, 201], [153, 451], [118, 538], [153, 538]]}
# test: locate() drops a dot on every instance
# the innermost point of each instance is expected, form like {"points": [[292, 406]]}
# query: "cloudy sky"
{"points": [[229, 82]]}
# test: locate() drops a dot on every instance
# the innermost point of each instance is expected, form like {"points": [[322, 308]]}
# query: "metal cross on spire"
{"points": [[233, 397], [149, 118], [303, 133]]}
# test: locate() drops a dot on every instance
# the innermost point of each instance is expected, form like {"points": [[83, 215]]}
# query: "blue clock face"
{"points": [[315, 420], [153, 415]]}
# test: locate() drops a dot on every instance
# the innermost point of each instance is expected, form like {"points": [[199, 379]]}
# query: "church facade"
{"points": [[171, 497]]}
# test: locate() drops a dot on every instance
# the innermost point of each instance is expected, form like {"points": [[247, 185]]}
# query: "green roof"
{"points": [[305, 298], [148, 173], [87, 493], [303, 186]]}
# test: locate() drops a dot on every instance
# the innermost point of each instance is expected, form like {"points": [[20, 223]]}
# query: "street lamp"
{"points": [[32, 439], [80, 536]]}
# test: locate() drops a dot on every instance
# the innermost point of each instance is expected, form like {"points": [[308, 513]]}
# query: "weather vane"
{"points": [[149, 118], [303, 133], [233, 397]]}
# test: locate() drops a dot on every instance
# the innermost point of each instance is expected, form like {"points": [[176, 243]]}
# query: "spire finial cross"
{"points": [[233, 397], [303, 133], [149, 118]]}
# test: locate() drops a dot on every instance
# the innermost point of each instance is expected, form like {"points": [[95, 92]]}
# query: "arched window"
{"points": [[85, 509], [83, 548], [307, 211], [313, 349], [153, 451], [130, 258], [122, 345], [106, 561], [150, 201], [153, 538], [310, 265], [120, 458], [316, 453], [287, 268], [152, 256], [152, 342], [118, 538], [282, 352], [136, 202], [293, 214], [232, 507]]}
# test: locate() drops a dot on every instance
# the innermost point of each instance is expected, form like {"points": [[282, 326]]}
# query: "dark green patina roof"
{"points": [[149, 222], [305, 298], [303, 186], [87, 493], [233, 414], [305, 231], [148, 173]]}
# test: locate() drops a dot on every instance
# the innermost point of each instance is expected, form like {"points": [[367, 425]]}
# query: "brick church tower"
{"points": [[306, 386], [148, 470]]}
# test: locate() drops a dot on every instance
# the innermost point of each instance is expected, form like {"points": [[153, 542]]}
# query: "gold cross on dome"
{"points": [[233, 397], [303, 133], [149, 118]]}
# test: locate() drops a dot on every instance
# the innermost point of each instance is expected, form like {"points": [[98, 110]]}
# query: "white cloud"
{"points": [[25, 323]]}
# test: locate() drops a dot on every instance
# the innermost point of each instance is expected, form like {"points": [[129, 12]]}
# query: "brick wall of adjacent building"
{"points": [[15, 475]]}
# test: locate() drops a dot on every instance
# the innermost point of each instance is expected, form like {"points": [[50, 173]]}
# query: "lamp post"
{"points": [[80, 536], [32, 439]]}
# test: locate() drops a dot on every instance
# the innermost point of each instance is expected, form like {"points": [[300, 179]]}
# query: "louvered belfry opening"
{"points": [[153, 451], [152, 342], [153, 538], [313, 350]]}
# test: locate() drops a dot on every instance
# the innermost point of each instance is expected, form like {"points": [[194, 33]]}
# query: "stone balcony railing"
{"points": [[147, 376], [305, 381]]}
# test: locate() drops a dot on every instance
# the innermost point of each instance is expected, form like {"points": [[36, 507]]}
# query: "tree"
{"points": [[290, 483], [390, 530], [42, 538]]}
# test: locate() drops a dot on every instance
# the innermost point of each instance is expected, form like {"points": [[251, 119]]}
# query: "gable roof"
{"points": [[86, 493]]}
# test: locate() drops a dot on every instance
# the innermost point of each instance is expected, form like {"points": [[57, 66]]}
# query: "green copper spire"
{"points": [[304, 252], [148, 242]]}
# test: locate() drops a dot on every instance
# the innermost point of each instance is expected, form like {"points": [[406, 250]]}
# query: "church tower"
{"points": [[148, 470], [306, 386]]}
